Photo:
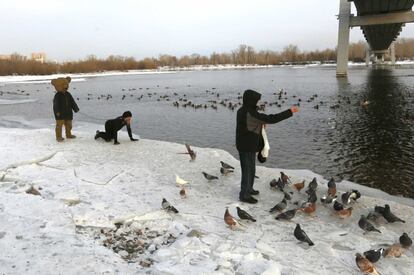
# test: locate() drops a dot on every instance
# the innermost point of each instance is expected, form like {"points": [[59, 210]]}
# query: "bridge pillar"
{"points": [[367, 55], [392, 53], [343, 38]]}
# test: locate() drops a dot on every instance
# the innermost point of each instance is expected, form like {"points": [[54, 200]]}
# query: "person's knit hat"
{"points": [[126, 114]]}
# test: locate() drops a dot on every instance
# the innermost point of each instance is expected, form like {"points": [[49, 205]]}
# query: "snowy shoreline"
{"points": [[37, 79], [92, 184]]}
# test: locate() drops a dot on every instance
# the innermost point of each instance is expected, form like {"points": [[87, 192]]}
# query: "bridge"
{"points": [[381, 22]]}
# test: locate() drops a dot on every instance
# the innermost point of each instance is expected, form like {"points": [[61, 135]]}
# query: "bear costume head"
{"points": [[61, 84]]}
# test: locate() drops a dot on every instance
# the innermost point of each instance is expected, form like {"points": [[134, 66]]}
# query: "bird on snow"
{"points": [[365, 265], [379, 209], [373, 216], [344, 213], [287, 196], [299, 186], [331, 187], [167, 206], [277, 184], [284, 178], [226, 166], [279, 207], [312, 196], [365, 225], [191, 152], [183, 193], [309, 207], [225, 171], [179, 181], [209, 177], [338, 206], [288, 215], [313, 185], [395, 250], [405, 240], [301, 235], [374, 255], [244, 215], [390, 217], [327, 199], [229, 220]]}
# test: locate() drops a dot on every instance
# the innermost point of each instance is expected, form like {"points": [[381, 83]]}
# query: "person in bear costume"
{"points": [[63, 104]]}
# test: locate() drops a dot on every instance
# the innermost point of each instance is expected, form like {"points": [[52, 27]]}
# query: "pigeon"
{"points": [[373, 216], [183, 194], [390, 217], [309, 207], [313, 184], [379, 209], [226, 166], [277, 184], [365, 265], [33, 191], [405, 240], [279, 207], [299, 186], [229, 220], [225, 171], [354, 194], [344, 213], [331, 187], [312, 196], [191, 152], [284, 178], [179, 181], [365, 225], [167, 206], [244, 215], [209, 177], [327, 199], [374, 255], [395, 250], [301, 235], [338, 206], [288, 215], [287, 196], [346, 198]]}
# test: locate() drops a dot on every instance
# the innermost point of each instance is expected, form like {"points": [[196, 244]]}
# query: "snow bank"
{"points": [[93, 184], [16, 101]]}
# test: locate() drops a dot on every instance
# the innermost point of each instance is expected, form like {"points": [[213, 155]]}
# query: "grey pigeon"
{"points": [[374, 255], [226, 166], [225, 171], [313, 184], [405, 240], [365, 225], [288, 215], [277, 184], [331, 183], [373, 216], [379, 209], [167, 206], [346, 198], [279, 207], [301, 235], [312, 196], [390, 217], [191, 152], [287, 196], [209, 177], [244, 215]]}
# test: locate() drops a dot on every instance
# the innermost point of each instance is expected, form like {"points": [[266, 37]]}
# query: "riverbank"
{"points": [[88, 186]]}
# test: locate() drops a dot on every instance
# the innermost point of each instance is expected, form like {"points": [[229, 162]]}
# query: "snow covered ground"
{"points": [[88, 184]]}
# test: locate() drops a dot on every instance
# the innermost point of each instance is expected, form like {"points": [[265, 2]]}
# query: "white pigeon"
{"points": [[180, 181]]}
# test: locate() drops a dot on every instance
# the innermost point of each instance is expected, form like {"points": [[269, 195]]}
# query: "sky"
{"points": [[73, 29]]}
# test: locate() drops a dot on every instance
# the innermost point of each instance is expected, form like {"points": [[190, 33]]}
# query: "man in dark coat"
{"points": [[249, 139], [63, 104], [112, 127]]}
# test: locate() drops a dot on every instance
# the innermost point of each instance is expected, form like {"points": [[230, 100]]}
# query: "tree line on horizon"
{"points": [[243, 55]]}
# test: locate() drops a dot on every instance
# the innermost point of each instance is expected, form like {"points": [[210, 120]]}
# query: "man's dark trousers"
{"points": [[248, 168]]}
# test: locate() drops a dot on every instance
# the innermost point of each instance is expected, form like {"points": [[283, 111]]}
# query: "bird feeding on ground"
{"points": [[183, 193], [225, 171], [226, 166], [365, 265], [301, 235], [209, 177], [390, 217], [229, 220], [344, 213], [395, 251], [167, 206], [279, 207], [299, 186], [332, 187], [244, 215], [405, 240], [288, 215], [365, 225], [179, 181], [374, 255]]}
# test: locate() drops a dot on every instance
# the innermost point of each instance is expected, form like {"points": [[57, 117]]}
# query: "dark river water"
{"points": [[371, 145]]}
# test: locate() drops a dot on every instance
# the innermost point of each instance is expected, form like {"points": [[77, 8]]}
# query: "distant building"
{"points": [[5, 57], [39, 57]]}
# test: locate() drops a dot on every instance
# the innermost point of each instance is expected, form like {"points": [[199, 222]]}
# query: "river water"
{"points": [[371, 145]]}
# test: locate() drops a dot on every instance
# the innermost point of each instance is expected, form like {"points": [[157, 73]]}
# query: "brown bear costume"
{"points": [[63, 104]]}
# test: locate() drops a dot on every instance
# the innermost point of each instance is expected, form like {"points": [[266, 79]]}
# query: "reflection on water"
{"points": [[332, 134]]}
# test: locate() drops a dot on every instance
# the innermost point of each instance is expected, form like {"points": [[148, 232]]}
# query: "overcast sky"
{"points": [[73, 29]]}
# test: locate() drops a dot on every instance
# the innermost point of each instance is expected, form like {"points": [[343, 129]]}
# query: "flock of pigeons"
{"points": [[341, 207]]}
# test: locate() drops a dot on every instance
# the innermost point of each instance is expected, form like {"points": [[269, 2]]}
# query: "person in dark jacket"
{"points": [[112, 127], [63, 104], [249, 139]]}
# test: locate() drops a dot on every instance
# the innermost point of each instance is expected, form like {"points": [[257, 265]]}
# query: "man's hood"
{"points": [[250, 98]]}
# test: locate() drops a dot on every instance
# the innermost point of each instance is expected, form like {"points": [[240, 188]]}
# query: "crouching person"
{"points": [[63, 104], [112, 127]]}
